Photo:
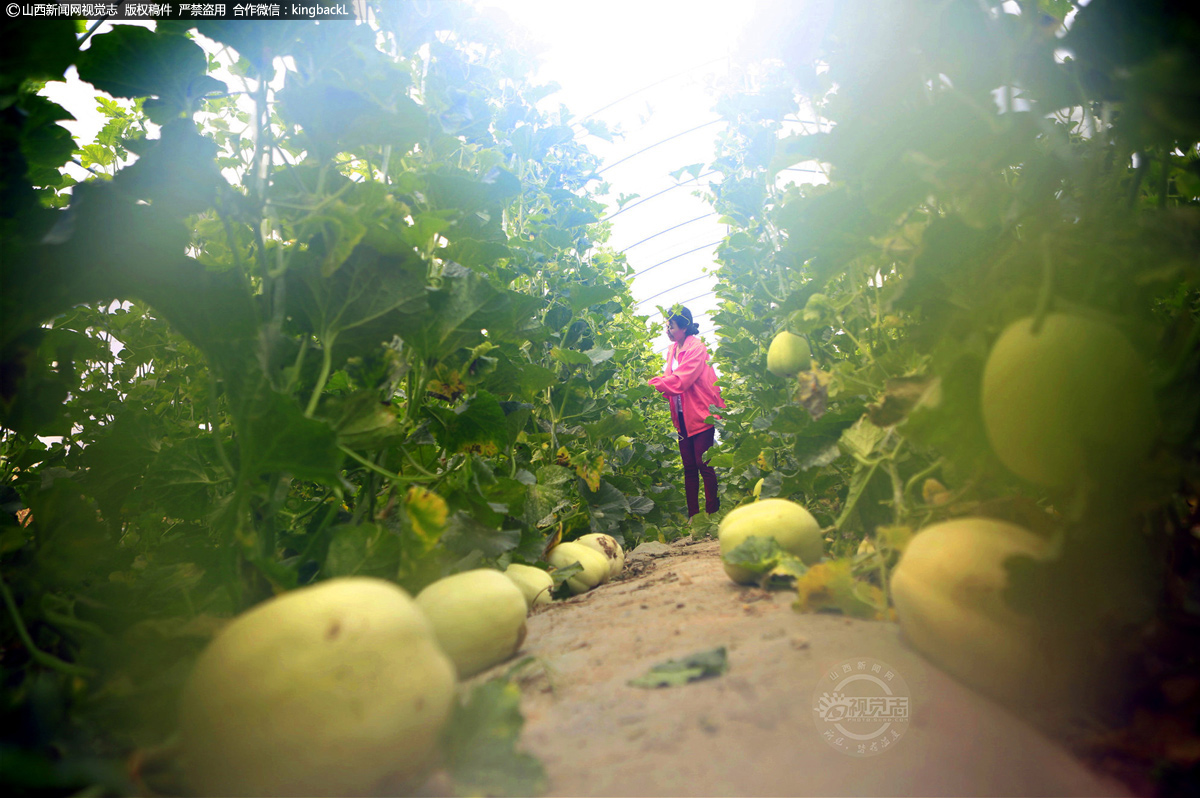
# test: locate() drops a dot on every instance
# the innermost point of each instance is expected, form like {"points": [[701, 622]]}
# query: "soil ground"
{"points": [[751, 731]]}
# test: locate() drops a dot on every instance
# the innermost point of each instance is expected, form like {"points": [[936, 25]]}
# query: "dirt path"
{"points": [[751, 731]]}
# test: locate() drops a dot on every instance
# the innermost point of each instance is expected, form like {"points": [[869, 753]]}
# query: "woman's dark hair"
{"points": [[683, 320]]}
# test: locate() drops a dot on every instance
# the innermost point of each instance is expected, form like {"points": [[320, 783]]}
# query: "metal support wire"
{"points": [[658, 143], [649, 86], [657, 194], [672, 288], [675, 257], [698, 296], [669, 229]]}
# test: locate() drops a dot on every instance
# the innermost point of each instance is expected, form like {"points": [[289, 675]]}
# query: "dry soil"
{"points": [[751, 731]]}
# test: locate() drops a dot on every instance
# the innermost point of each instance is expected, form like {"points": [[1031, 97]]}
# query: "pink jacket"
{"points": [[694, 382]]}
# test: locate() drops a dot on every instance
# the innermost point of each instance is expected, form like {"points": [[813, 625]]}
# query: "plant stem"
{"points": [[1164, 178], [38, 656], [418, 466], [212, 427], [367, 464], [1046, 294], [322, 378]]}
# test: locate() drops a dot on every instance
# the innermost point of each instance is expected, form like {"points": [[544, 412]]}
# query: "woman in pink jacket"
{"points": [[689, 384]]}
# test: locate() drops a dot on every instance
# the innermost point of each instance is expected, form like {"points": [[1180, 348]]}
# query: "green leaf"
{"points": [[607, 506], [368, 288], [278, 438], [548, 496], [460, 190], [858, 484], [176, 172], [40, 51], [612, 426], [535, 378], [584, 296], [456, 315], [757, 554], [465, 535], [45, 144], [640, 505], [786, 572], [570, 357], [183, 476], [861, 439], [132, 61], [678, 672], [260, 41], [479, 744], [557, 317], [335, 118], [74, 546], [476, 424], [363, 550], [361, 420], [598, 356], [831, 587]]}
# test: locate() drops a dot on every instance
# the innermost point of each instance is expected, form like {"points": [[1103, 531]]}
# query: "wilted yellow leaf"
{"points": [[831, 586], [427, 511]]}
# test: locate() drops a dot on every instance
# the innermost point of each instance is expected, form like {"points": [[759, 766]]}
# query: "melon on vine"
{"points": [[1071, 396], [788, 355]]}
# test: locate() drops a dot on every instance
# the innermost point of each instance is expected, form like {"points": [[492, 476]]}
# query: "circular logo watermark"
{"points": [[861, 707]]}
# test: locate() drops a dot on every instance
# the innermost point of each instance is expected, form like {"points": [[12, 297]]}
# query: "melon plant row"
{"points": [[975, 333], [347, 687], [334, 302]]}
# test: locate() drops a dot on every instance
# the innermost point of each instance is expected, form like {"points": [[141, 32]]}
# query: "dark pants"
{"points": [[691, 450]]}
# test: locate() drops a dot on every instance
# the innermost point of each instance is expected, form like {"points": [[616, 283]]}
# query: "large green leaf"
{"points": [[464, 305], [363, 550], [278, 437], [478, 423], [368, 287], [584, 296], [548, 496], [334, 118], [176, 171], [361, 420], [184, 477], [607, 506], [132, 61], [480, 744], [45, 144], [74, 545], [611, 427], [258, 41], [464, 535], [40, 51]]}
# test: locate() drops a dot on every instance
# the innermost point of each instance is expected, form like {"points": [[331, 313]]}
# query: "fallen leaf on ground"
{"points": [[678, 672]]}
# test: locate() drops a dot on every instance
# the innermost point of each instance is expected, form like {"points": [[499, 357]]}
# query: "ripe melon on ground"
{"points": [[792, 527], [595, 565], [478, 617], [948, 589], [534, 583], [609, 547], [326, 690]]}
